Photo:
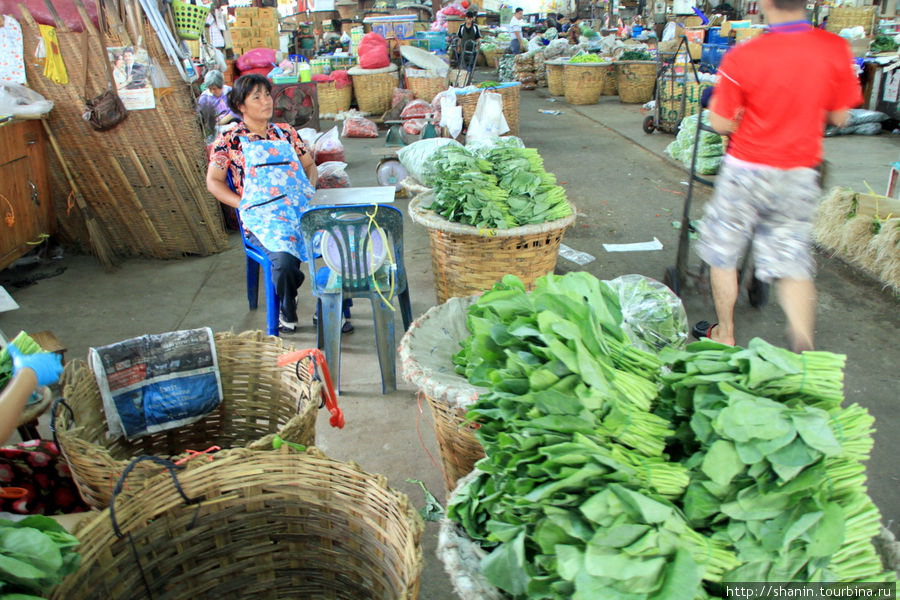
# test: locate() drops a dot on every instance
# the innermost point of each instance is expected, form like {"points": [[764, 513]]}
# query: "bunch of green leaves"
{"points": [[635, 55], [653, 316], [883, 43], [465, 189], [775, 461], [568, 417], [488, 84], [36, 553], [534, 196], [26, 345]]}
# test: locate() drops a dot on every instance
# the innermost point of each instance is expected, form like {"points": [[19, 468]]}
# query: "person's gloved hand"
{"points": [[706, 96], [46, 365]]}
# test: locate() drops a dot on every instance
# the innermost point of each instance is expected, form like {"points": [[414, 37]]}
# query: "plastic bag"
{"points": [[401, 94], [415, 156], [329, 147], [481, 146], [451, 115], [417, 109], [373, 52], [436, 102], [488, 119], [332, 174], [653, 317], [308, 136], [359, 127], [20, 101], [256, 59], [414, 126]]}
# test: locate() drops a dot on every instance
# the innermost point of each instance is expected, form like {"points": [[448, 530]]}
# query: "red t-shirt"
{"points": [[779, 87]]}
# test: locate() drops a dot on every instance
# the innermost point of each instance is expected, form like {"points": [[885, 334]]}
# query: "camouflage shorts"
{"points": [[773, 208]]}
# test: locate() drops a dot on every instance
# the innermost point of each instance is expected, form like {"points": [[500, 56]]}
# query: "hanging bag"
{"points": [[105, 111]]}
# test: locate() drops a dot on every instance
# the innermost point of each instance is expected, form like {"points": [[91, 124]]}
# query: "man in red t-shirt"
{"points": [[774, 96]]}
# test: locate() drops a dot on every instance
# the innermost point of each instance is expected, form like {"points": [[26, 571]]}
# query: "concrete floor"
{"points": [[625, 190]]}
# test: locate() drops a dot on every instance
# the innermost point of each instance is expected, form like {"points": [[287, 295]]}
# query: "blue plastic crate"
{"points": [[437, 40], [713, 37], [712, 54]]}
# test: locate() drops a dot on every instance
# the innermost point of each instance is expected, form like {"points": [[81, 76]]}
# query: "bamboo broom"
{"points": [[99, 240]]}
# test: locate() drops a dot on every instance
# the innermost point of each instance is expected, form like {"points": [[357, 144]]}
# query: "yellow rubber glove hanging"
{"points": [[54, 67]]}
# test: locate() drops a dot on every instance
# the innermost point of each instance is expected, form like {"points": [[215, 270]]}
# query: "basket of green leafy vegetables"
{"points": [[491, 213]]}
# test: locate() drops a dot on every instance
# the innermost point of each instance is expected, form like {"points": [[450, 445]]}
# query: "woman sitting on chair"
{"points": [[274, 177]]}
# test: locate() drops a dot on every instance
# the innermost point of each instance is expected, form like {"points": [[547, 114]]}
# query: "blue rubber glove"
{"points": [[46, 365]]}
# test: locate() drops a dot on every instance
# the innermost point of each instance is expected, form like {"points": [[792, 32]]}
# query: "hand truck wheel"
{"points": [[649, 124], [758, 292], [671, 279]]}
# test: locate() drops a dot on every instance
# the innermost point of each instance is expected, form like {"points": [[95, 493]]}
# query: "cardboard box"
{"points": [[729, 26], [239, 34], [695, 49], [249, 13], [243, 22], [742, 35]]}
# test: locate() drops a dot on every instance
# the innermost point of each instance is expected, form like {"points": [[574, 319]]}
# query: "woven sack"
{"points": [[260, 400], [253, 525]]}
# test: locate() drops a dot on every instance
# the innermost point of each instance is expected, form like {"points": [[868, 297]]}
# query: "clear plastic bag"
{"points": [[415, 156], [329, 147], [653, 317], [481, 146], [359, 127], [20, 101], [417, 109], [332, 174]]}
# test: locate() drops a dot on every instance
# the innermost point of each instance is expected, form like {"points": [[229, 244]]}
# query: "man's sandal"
{"points": [[702, 329]]}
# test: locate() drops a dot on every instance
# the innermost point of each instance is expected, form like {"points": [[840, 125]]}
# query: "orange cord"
{"points": [[195, 453], [10, 216], [70, 202], [318, 359]]}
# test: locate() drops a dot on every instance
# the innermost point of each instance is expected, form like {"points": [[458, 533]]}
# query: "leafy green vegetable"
{"points": [[587, 58], [432, 511], [653, 316], [36, 553], [26, 345], [488, 84], [635, 55], [883, 43]]}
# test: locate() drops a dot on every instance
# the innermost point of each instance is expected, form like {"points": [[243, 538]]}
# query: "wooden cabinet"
{"points": [[26, 212]]}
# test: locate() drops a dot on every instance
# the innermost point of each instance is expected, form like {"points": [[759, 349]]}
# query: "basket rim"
{"points": [[593, 64], [430, 219]]}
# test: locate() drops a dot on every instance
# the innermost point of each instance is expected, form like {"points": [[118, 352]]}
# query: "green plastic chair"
{"points": [[353, 231]]}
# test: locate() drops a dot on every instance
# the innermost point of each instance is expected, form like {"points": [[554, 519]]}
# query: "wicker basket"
{"points": [[493, 58], [333, 100], [610, 79], [635, 79], [845, 17], [265, 525], [260, 399], [509, 91], [426, 351], [467, 260], [555, 77], [425, 87], [373, 88], [583, 82], [347, 10]]}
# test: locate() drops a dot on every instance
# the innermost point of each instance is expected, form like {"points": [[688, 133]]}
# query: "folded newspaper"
{"points": [[157, 382]]}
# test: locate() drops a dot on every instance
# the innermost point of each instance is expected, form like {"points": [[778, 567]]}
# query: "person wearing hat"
{"points": [[469, 35], [214, 98]]}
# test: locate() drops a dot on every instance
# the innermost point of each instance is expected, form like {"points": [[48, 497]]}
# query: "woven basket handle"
{"points": [[53, 408], [170, 466]]}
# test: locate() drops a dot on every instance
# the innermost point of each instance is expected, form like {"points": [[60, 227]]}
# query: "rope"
{"points": [[10, 216], [391, 260]]}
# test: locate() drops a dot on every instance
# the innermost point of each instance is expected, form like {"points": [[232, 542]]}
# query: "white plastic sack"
{"points": [[669, 31], [488, 119], [451, 115], [20, 101], [415, 156]]}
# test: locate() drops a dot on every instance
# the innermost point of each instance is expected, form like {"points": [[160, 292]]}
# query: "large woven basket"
{"points": [[425, 87], [493, 58], [374, 87], [467, 260], [583, 82], [260, 400], [426, 360], [845, 17], [636, 79], [555, 77], [610, 79], [510, 93], [264, 525], [333, 100]]}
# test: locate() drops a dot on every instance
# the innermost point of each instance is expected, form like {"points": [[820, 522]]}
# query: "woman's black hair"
{"points": [[243, 87]]}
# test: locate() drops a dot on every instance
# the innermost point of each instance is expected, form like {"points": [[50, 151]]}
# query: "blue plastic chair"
{"points": [[351, 228], [256, 258]]}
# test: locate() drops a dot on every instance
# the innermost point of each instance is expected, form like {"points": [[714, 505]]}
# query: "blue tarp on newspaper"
{"points": [[157, 382]]}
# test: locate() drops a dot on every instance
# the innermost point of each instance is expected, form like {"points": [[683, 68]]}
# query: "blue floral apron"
{"points": [[276, 193]]}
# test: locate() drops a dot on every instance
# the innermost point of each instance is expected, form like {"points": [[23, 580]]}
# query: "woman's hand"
{"points": [[47, 366]]}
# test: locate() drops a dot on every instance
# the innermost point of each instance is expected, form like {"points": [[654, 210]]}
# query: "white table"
{"points": [[382, 194]]}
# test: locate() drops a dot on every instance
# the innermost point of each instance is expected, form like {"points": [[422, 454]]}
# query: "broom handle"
{"points": [[79, 199]]}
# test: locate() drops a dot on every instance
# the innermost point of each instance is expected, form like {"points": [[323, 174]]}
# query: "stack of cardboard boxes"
{"points": [[254, 28]]}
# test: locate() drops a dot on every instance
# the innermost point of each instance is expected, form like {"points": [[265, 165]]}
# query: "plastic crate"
{"points": [[713, 53], [714, 36], [437, 40]]}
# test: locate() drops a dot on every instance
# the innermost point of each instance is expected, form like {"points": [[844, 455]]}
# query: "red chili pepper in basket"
{"points": [[318, 360]]}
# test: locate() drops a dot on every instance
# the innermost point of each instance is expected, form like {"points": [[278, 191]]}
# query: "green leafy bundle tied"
{"points": [[36, 553]]}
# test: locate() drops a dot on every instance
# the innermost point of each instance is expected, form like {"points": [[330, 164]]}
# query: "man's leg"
{"points": [[797, 298], [725, 293]]}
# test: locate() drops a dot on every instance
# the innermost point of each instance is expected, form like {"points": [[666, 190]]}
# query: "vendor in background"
{"points": [[517, 44], [214, 98], [469, 39], [274, 177], [575, 30], [34, 477], [563, 23]]}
